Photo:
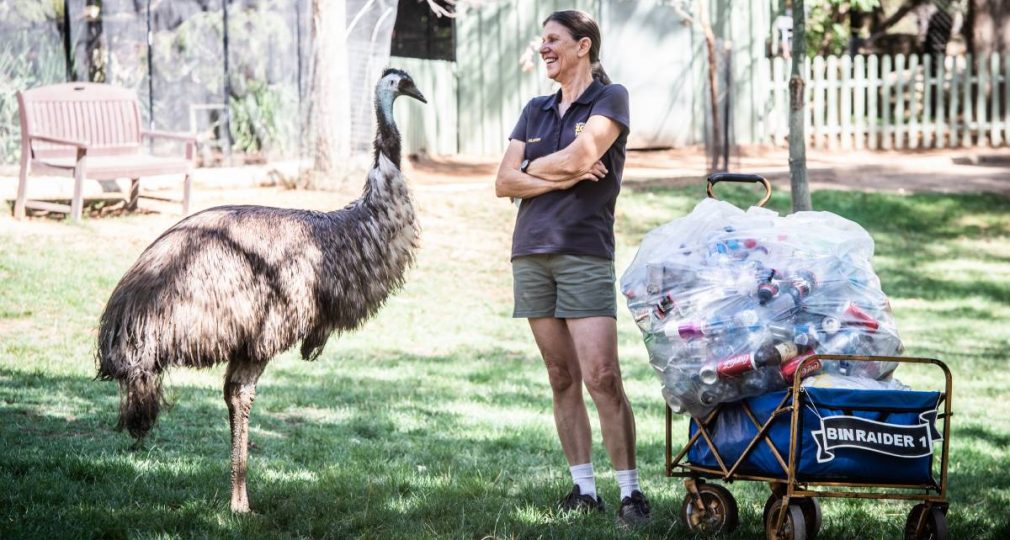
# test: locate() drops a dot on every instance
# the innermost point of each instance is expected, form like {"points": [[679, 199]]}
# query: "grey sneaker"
{"points": [[577, 502], [634, 510]]}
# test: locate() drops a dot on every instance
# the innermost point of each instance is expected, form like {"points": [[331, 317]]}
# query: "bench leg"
{"points": [[19, 203], [131, 202], [77, 203], [187, 189]]}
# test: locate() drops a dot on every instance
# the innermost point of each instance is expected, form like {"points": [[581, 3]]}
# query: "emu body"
{"points": [[240, 284]]}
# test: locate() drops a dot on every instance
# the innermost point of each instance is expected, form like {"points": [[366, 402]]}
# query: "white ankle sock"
{"points": [[583, 476], [628, 480]]}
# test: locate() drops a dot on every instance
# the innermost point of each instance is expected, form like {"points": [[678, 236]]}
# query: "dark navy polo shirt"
{"points": [[578, 220]]}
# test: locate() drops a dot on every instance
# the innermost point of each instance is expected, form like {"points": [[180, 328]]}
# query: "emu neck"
{"points": [[387, 137]]}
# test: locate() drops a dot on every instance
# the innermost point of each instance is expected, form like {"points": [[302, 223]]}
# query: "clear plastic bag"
{"points": [[729, 301]]}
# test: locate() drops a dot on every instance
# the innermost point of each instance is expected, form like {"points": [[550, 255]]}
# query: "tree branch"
{"points": [[905, 8], [440, 11]]}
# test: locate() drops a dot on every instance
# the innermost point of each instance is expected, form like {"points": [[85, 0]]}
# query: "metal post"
{"points": [[728, 48], [298, 82], [227, 82], [67, 50], [150, 70]]}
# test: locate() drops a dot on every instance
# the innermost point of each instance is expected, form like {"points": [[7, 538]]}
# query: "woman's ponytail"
{"points": [[599, 73]]}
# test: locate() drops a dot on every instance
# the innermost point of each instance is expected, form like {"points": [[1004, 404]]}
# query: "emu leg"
{"points": [[239, 394]]}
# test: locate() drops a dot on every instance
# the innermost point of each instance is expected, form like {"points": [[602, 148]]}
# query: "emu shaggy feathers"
{"points": [[240, 284], [244, 283]]}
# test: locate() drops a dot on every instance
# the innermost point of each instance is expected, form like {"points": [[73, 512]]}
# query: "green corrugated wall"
{"points": [[492, 87], [474, 102]]}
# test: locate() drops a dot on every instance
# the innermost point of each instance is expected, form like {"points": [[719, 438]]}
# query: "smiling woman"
{"points": [[565, 161]]}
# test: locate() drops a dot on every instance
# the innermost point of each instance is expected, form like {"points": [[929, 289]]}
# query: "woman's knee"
{"points": [[604, 382], [560, 376]]}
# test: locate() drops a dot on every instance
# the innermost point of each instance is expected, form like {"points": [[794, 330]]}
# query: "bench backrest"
{"points": [[104, 116]]}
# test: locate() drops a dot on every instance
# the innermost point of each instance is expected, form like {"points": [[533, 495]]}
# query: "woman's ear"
{"points": [[584, 45]]}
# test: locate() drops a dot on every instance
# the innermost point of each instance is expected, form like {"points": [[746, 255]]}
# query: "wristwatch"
{"points": [[524, 165]]}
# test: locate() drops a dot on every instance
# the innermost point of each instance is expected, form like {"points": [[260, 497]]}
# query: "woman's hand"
{"points": [[596, 172]]}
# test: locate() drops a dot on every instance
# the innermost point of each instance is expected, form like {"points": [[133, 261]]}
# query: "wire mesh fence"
{"points": [[236, 72]]}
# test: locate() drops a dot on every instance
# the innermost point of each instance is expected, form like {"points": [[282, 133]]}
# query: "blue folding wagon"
{"points": [[819, 442]]}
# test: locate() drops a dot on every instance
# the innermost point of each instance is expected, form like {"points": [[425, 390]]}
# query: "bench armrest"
{"points": [[184, 137], [57, 140], [188, 138]]}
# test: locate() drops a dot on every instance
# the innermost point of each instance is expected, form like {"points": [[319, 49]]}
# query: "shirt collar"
{"points": [[587, 96]]}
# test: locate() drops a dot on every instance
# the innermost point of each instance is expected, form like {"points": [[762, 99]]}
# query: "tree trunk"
{"points": [[94, 42], [329, 97], [988, 27], [797, 111], [713, 82]]}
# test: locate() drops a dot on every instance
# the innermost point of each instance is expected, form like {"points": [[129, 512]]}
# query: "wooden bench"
{"points": [[91, 131]]}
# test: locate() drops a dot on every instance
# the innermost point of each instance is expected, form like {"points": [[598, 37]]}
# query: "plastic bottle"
{"points": [[774, 354], [760, 381], [785, 304], [766, 291], [846, 342], [805, 336], [737, 365]]}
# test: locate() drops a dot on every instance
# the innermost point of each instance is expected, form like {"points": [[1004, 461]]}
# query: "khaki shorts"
{"points": [[563, 286]]}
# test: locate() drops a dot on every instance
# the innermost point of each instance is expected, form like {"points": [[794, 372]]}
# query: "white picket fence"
{"points": [[895, 102]]}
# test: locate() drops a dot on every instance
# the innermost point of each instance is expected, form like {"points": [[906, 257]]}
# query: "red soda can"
{"points": [[789, 368], [858, 317], [734, 366]]}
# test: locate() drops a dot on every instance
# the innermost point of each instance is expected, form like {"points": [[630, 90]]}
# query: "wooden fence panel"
{"points": [[831, 89], [914, 109], [927, 101], [1006, 98], [859, 100], [846, 92], [818, 105], [887, 75], [995, 136], [873, 93], [939, 123], [895, 102]]}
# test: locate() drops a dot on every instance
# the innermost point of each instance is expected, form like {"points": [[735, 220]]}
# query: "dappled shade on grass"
{"points": [[435, 419]]}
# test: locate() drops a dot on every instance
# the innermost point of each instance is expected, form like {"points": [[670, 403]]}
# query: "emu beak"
{"points": [[412, 91]]}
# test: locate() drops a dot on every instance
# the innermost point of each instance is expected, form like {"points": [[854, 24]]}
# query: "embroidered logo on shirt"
{"points": [[534, 139], [579, 127]]}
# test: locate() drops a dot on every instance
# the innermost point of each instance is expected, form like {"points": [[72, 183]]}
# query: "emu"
{"points": [[240, 284]]}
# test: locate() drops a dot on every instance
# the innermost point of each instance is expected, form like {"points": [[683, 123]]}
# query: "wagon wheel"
{"points": [[794, 526], [810, 507], [720, 514], [933, 524]]}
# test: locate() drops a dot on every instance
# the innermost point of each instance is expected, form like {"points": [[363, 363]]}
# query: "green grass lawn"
{"points": [[434, 420]]}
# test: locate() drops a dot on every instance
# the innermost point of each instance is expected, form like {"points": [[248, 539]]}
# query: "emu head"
{"points": [[395, 83]]}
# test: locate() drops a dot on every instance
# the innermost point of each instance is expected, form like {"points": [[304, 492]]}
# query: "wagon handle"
{"points": [[715, 178]]}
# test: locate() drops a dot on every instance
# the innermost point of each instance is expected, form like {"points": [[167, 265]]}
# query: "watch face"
{"points": [[524, 165]]}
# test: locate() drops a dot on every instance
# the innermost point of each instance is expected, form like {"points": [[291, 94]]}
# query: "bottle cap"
{"points": [[831, 325], [689, 330]]}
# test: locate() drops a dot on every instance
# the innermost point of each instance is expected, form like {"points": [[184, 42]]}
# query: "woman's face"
{"points": [[562, 54]]}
